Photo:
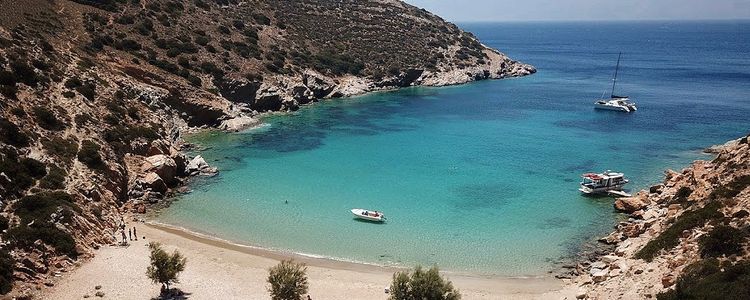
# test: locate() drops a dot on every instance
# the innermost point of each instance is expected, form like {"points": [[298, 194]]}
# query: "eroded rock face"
{"points": [[153, 182], [320, 86], [268, 100], [240, 91], [162, 165]]}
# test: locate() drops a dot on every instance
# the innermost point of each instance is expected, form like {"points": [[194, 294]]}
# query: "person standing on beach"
{"points": [[135, 233], [124, 238], [130, 234]]}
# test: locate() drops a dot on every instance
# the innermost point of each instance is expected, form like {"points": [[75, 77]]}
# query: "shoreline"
{"points": [[314, 259], [224, 270]]}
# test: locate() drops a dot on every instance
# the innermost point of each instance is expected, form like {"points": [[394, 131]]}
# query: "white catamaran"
{"points": [[617, 103]]}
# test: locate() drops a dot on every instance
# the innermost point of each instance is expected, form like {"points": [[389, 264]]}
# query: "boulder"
{"points": [[158, 147], [238, 123], [303, 94], [582, 293], [199, 166], [609, 259], [630, 204], [180, 161], [162, 165], [598, 265], [196, 164], [154, 182], [599, 275], [316, 84]]}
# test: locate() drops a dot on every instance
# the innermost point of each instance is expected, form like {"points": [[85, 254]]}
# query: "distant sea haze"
{"points": [[480, 178]]}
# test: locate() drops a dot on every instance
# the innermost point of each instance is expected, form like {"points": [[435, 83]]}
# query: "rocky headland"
{"points": [[96, 95], [686, 238]]}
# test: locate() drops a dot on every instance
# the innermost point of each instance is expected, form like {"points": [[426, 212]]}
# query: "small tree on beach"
{"points": [[422, 284], [288, 280], [164, 267]]}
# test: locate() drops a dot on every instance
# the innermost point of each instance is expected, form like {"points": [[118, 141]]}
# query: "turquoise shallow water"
{"points": [[481, 177]]}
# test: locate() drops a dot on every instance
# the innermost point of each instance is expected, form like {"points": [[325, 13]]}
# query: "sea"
{"points": [[479, 178]]}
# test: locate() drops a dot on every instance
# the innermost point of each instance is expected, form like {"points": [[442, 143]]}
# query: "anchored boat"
{"points": [[369, 215], [601, 183], [617, 103]]}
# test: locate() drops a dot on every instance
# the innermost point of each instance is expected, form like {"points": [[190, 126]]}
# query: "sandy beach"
{"points": [[221, 270]]}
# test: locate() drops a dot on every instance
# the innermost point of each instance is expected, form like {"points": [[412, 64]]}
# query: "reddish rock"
{"points": [[154, 182], [630, 204], [667, 280]]}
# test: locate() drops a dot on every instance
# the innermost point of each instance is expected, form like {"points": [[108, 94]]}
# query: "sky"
{"points": [[578, 10]]}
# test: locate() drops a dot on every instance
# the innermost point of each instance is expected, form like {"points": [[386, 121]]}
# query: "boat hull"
{"points": [[368, 215]]}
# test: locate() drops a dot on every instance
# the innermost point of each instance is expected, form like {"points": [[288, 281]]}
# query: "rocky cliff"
{"points": [[94, 95], [686, 238]]}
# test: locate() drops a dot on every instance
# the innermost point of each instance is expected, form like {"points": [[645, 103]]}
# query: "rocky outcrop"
{"points": [[199, 166], [629, 273], [631, 204], [239, 123]]}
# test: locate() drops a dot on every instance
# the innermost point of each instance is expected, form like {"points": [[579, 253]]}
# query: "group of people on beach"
{"points": [[131, 232]]}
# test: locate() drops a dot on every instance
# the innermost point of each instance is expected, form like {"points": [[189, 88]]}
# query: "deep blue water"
{"points": [[480, 177]]}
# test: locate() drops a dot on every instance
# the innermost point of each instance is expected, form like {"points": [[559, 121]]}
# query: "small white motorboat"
{"points": [[369, 215]]}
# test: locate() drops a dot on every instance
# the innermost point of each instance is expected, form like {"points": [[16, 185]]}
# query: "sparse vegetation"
{"points": [[709, 279], [421, 284], [6, 271], [47, 119], [288, 280], [164, 268], [88, 154], [670, 237], [732, 188], [722, 240], [12, 135]]}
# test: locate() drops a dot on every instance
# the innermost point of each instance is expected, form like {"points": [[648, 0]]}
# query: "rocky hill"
{"points": [[686, 238], [94, 95]]}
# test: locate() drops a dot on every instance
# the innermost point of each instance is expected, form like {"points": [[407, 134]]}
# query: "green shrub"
{"points": [[83, 119], [731, 189], [9, 91], [707, 279], [7, 264], [55, 179], [722, 240], [422, 284], [39, 207], [202, 40], [47, 119], [88, 154], [24, 237], [223, 29], [12, 135], [65, 149], [22, 172], [164, 268], [4, 223], [288, 280], [24, 73], [687, 221], [73, 83]]}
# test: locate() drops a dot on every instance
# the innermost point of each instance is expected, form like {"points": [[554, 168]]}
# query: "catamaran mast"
{"points": [[614, 80]]}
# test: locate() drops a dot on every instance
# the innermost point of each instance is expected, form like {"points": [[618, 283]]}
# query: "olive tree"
{"points": [[422, 284], [164, 267], [288, 280]]}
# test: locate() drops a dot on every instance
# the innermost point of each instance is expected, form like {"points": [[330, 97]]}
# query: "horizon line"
{"points": [[599, 20]]}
